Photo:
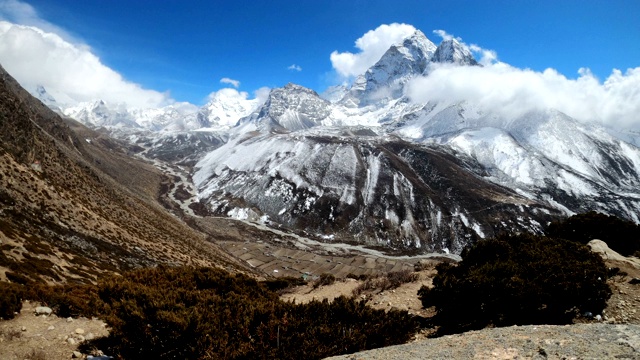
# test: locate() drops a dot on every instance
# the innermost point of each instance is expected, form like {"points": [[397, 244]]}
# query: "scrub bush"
{"points": [[516, 280], [10, 300], [620, 235], [204, 313]]}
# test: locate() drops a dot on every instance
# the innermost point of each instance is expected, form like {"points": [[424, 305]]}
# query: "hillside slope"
{"points": [[73, 204]]}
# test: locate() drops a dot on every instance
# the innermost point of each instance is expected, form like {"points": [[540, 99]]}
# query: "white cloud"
{"points": [[487, 57], [511, 92], [372, 46], [70, 72], [262, 94], [444, 35], [294, 67], [234, 83], [228, 93], [19, 12], [233, 95]]}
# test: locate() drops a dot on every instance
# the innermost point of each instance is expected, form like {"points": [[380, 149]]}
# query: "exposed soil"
{"points": [[402, 298], [45, 337]]}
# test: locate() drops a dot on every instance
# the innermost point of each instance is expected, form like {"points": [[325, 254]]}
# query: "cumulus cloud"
{"points": [[259, 96], [70, 72], [19, 12], [371, 46], [487, 57], [512, 92], [262, 94], [294, 67], [234, 83], [228, 93], [445, 35]]}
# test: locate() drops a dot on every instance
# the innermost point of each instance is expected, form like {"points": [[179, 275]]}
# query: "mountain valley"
{"points": [[375, 167], [312, 196]]}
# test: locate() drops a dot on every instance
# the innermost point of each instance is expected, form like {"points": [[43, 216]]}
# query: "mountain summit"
{"points": [[385, 78], [451, 51], [292, 107]]}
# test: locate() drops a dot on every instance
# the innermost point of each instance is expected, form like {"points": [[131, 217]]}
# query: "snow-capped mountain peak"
{"points": [[451, 51], [46, 98], [225, 108], [384, 79], [292, 107]]}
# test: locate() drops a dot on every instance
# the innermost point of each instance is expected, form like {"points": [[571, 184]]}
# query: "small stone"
{"points": [[79, 331], [71, 341], [51, 327], [389, 304], [90, 336], [43, 310], [24, 328], [598, 318], [80, 338], [69, 319], [76, 355]]}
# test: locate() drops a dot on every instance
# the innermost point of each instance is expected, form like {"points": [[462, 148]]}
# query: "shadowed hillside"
{"points": [[73, 204]]}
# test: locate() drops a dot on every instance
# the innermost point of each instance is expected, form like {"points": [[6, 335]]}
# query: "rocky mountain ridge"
{"points": [[380, 169]]}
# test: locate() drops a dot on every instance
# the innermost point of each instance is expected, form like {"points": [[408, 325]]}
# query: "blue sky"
{"points": [[186, 47]]}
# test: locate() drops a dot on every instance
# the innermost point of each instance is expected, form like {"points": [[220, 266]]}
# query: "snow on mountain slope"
{"points": [[451, 51], [225, 108], [544, 154], [363, 188], [292, 107], [99, 114], [376, 168], [176, 117], [46, 98], [384, 80]]}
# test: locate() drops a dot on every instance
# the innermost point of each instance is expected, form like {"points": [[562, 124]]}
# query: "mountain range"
{"points": [[369, 165]]}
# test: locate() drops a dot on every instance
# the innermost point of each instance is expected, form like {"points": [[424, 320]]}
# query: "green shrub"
{"points": [[620, 235], [67, 300], [397, 278], [203, 313], [323, 280], [17, 278], [522, 279], [358, 277], [389, 281], [10, 299], [283, 283]]}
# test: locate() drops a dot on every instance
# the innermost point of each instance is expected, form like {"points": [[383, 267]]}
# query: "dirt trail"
{"points": [[28, 336]]}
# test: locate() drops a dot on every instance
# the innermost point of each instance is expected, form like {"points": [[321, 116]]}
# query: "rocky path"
{"points": [[35, 337], [582, 341]]}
